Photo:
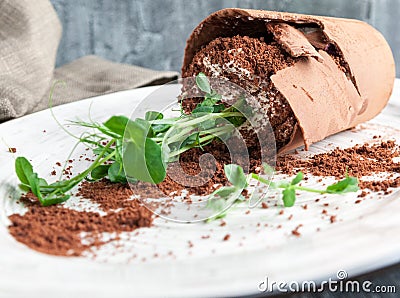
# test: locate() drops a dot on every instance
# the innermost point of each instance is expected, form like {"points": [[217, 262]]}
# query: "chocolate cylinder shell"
{"points": [[325, 99]]}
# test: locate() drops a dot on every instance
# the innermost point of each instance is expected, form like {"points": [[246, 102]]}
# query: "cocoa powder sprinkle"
{"points": [[58, 230], [358, 161]]}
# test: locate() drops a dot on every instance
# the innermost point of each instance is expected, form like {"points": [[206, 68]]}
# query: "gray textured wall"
{"points": [[152, 33]]}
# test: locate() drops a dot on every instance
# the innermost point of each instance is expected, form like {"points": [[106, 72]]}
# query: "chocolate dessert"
{"points": [[313, 76], [249, 63]]}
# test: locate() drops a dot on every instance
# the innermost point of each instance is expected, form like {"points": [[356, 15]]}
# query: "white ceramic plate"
{"points": [[365, 237]]}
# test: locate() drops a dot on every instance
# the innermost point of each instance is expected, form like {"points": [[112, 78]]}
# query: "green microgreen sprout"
{"points": [[135, 150], [224, 197]]}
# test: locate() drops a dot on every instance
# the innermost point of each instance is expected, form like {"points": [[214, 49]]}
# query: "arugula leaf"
{"points": [[203, 83]]}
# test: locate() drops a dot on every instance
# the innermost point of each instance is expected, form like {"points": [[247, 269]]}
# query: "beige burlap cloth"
{"points": [[30, 32]]}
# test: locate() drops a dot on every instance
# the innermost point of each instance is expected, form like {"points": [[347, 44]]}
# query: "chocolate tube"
{"points": [[324, 97]]}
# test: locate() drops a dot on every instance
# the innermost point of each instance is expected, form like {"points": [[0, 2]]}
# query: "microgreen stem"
{"points": [[52, 111], [98, 161], [202, 140], [307, 189], [261, 179], [190, 122]]}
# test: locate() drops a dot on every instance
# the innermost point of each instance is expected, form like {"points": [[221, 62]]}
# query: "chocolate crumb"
{"points": [[227, 237], [362, 194], [296, 232]]}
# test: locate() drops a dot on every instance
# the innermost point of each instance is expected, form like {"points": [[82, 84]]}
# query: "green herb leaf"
{"points": [[117, 124], [153, 115], [220, 199], [23, 169], [193, 139], [235, 175], [224, 191], [209, 102], [288, 196], [160, 128], [146, 125], [218, 108], [100, 149], [34, 183], [236, 120], [203, 110], [142, 156], [100, 172], [348, 184], [298, 178], [203, 83], [154, 161], [55, 200], [215, 96], [268, 170], [116, 173]]}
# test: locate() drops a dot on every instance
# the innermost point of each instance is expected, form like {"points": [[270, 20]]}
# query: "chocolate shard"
{"points": [[318, 104], [316, 37], [293, 40]]}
